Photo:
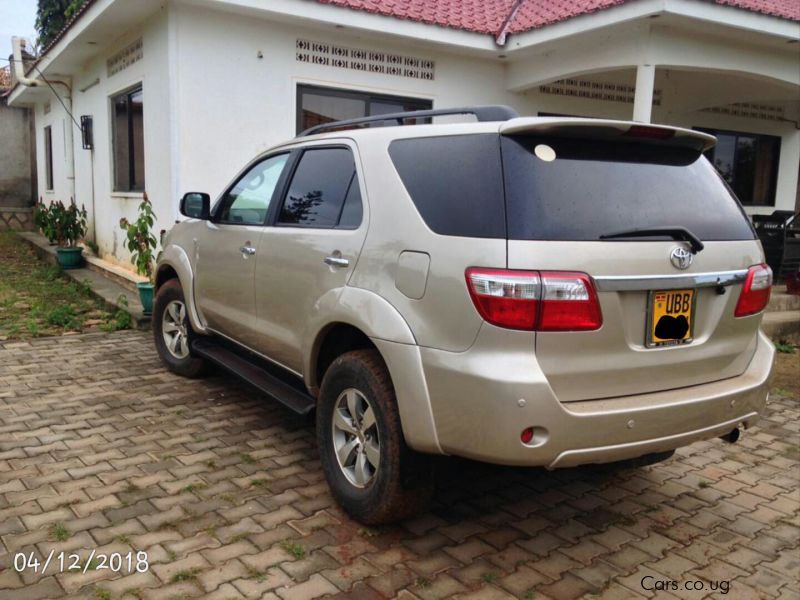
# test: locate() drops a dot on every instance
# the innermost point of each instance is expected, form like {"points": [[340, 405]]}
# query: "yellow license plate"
{"points": [[670, 317]]}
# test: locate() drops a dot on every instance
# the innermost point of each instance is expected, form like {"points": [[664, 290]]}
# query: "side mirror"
{"points": [[196, 205]]}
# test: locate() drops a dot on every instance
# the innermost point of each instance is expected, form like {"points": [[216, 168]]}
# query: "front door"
{"points": [[227, 251], [309, 251]]}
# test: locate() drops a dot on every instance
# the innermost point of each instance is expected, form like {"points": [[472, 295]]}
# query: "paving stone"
{"points": [[130, 457]]}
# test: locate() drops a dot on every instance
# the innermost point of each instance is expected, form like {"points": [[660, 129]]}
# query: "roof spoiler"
{"points": [[609, 130]]}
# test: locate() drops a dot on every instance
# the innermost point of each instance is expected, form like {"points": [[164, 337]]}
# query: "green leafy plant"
{"points": [[140, 240], [784, 347], [66, 224], [93, 247], [43, 221]]}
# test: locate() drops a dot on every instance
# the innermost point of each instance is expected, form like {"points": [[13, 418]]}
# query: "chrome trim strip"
{"points": [[630, 283]]}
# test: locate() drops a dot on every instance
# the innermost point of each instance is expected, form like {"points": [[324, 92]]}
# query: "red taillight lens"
{"points": [[755, 291], [569, 303], [506, 298], [652, 133], [535, 300]]}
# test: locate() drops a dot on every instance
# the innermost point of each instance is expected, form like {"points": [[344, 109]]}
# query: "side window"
{"points": [[247, 202], [324, 191]]}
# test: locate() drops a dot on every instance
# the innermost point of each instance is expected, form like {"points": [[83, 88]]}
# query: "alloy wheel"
{"points": [[356, 442]]}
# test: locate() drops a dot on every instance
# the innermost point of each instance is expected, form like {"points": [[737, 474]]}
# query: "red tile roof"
{"points": [[479, 16], [502, 17]]}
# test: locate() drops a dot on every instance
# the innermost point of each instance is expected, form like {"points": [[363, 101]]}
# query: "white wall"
{"points": [[211, 104], [94, 180], [233, 104]]}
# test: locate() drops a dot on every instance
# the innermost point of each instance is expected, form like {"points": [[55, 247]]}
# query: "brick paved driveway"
{"points": [[223, 490]]}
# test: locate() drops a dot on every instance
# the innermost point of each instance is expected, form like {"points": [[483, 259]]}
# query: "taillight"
{"points": [[755, 291], [535, 300], [506, 298], [569, 303], [653, 133]]}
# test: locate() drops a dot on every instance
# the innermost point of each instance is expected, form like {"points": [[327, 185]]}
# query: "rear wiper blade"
{"points": [[675, 232]]}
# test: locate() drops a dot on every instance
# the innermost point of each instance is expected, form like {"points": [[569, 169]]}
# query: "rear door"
{"points": [[310, 249], [565, 194]]}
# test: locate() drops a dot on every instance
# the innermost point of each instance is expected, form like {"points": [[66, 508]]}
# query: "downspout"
{"points": [[19, 74], [19, 70]]}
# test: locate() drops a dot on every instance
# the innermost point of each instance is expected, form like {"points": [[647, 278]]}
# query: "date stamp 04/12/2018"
{"points": [[72, 562]]}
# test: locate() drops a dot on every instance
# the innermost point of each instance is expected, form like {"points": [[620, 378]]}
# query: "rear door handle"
{"points": [[337, 261], [247, 251]]}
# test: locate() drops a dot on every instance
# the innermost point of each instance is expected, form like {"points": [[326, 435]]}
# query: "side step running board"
{"points": [[256, 375]]}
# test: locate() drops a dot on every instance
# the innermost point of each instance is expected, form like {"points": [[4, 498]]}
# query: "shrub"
{"points": [[66, 225], [140, 240]]}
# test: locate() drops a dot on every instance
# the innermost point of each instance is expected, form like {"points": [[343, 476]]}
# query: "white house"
{"points": [[181, 93]]}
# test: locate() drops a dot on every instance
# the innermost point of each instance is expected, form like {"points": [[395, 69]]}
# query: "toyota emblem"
{"points": [[681, 258]]}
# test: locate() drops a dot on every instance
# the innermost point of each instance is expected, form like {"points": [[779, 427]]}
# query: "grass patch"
{"points": [[193, 487], [102, 593], [59, 532], [185, 575], [489, 577], [423, 582], [295, 550], [247, 459], [262, 483], [784, 347], [37, 300]]}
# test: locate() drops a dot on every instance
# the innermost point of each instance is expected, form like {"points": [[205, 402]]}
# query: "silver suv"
{"points": [[522, 291]]}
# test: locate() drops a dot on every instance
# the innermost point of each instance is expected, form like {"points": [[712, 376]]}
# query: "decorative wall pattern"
{"points": [[360, 59], [596, 90], [125, 57], [753, 111]]}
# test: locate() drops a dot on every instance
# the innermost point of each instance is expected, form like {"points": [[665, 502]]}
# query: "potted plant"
{"points": [[44, 222], [67, 226], [141, 243]]}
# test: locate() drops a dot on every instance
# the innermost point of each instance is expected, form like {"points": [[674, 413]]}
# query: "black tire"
{"points": [[402, 485], [189, 366]]}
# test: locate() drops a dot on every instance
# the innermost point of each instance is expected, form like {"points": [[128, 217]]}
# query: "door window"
{"points": [[324, 191], [248, 200]]}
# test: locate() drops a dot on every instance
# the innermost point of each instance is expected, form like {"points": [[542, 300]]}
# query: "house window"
{"points": [[749, 163], [48, 158], [319, 105], [128, 137]]}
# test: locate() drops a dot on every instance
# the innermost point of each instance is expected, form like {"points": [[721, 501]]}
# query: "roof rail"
{"points": [[491, 112]]}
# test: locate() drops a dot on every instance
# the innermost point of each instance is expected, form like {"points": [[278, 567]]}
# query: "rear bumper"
{"points": [[483, 398]]}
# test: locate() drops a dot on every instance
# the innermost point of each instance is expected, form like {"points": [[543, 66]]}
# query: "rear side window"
{"points": [[324, 191], [569, 189], [455, 182]]}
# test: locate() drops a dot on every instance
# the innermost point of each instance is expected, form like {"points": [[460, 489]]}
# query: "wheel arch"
{"points": [[174, 264], [365, 320]]}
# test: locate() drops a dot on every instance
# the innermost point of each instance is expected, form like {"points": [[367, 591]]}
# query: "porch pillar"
{"points": [[643, 99]]}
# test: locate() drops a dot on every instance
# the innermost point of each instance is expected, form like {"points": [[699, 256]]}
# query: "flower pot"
{"points": [[146, 297], [69, 258]]}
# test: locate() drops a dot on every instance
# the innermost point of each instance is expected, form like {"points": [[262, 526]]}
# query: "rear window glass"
{"points": [[320, 188], [566, 189], [455, 182]]}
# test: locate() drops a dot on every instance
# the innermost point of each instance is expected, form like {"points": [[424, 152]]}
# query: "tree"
{"points": [[52, 16]]}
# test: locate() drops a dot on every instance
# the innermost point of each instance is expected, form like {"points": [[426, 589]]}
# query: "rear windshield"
{"points": [[569, 189]]}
